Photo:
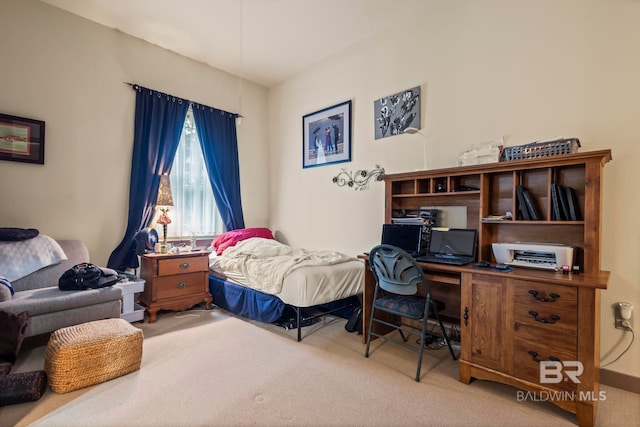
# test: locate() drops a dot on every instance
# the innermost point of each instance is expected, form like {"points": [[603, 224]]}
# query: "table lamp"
{"points": [[165, 199]]}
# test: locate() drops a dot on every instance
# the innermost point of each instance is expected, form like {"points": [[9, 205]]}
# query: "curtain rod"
{"points": [[188, 100]]}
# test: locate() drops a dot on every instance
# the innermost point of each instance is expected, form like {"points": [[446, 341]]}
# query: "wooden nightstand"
{"points": [[174, 281]]}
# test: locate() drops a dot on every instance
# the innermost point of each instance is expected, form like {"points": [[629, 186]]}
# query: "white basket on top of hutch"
{"points": [[511, 322]]}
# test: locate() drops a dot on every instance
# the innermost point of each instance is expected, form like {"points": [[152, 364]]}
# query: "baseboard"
{"points": [[621, 381]]}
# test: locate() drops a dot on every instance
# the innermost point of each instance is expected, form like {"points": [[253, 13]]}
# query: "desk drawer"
{"points": [[527, 356], [557, 296], [167, 267], [550, 308], [180, 285]]}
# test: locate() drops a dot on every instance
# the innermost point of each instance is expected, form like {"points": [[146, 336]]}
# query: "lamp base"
{"points": [[164, 234]]}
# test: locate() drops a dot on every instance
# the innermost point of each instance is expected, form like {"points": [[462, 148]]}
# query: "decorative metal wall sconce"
{"points": [[359, 179]]}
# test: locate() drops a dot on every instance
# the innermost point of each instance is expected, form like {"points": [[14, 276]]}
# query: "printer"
{"points": [[547, 256]]}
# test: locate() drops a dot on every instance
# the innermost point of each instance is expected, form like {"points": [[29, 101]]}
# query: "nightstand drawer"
{"points": [[179, 286], [167, 267]]}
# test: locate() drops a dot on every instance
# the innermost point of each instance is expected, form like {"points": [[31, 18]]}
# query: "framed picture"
{"points": [[326, 136], [21, 139], [395, 113]]}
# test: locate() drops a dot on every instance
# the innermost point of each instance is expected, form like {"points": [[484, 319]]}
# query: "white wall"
{"points": [[69, 72], [524, 70]]}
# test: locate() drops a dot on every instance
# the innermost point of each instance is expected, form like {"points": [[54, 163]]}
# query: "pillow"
{"points": [[231, 238], [12, 329], [10, 234], [6, 290]]}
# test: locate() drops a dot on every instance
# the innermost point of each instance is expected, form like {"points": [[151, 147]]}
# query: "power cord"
{"points": [[436, 341], [628, 327]]}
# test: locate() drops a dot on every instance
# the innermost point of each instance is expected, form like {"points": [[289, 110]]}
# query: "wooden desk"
{"points": [[511, 321]]}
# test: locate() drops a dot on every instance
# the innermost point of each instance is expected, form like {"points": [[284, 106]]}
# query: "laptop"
{"points": [[403, 236], [455, 246]]}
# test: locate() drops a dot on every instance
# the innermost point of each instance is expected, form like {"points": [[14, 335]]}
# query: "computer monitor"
{"points": [[403, 236], [453, 241]]}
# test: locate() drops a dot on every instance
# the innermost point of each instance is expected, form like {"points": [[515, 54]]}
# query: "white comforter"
{"points": [[266, 262]]}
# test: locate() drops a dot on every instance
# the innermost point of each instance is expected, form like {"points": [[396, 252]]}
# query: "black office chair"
{"points": [[397, 277]]}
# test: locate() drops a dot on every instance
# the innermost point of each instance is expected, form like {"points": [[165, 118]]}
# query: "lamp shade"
{"points": [[164, 192]]}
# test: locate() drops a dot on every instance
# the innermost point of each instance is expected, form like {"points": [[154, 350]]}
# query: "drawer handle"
{"points": [[534, 357], [184, 265], [182, 285], [553, 297], [552, 318]]}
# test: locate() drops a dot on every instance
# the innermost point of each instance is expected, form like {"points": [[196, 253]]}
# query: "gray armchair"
{"points": [[50, 308]]}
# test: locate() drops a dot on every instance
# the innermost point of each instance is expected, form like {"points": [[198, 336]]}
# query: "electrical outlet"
{"points": [[624, 311]]}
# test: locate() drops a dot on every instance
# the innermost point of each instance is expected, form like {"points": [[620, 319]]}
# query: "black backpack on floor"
{"points": [[354, 324]]}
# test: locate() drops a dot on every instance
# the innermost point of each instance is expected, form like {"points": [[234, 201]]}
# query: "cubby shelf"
{"points": [[496, 195]]}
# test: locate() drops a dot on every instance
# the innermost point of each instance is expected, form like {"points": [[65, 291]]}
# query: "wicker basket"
{"points": [[541, 149], [91, 353]]}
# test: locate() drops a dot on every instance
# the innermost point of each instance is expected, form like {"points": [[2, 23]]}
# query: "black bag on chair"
{"points": [[87, 276]]}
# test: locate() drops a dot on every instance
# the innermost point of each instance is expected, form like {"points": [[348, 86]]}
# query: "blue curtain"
{"points": [[218, 139], [159, 121]]}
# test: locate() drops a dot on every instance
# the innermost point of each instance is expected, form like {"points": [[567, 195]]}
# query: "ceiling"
{"points": [[265, 41]]}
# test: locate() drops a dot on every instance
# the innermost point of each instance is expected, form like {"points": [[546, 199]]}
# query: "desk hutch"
{"points": [[512, 321]]}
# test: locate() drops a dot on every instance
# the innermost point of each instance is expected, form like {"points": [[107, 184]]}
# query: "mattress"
{"points": [[311, 285]]}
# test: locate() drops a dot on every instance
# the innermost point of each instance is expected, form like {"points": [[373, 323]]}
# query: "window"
{"points": [[194, 211]]}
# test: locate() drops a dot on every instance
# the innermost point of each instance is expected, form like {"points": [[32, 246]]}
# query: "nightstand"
{"points": [[174, 281]]}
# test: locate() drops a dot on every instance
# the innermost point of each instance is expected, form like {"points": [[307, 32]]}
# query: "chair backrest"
{"points": [[395, 270]]}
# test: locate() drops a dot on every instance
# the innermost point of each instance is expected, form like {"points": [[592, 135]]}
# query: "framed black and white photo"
{"points": [[395, 113], [326, 136], [21, 139]]}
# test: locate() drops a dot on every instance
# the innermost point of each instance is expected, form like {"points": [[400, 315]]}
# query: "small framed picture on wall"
{"points": [[397, 112], [326, 136], [21, 139]]}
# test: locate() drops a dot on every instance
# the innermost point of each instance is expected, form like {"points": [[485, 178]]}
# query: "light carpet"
{"points": [[207, 368]]}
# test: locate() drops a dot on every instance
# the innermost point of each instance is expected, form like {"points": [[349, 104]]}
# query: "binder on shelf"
{"points": [[574, 207], [564, 203], [555, 203], [522, 206], [533, 212]]}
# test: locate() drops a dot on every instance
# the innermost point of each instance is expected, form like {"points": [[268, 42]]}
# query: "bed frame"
{"points": [[256, 305]]}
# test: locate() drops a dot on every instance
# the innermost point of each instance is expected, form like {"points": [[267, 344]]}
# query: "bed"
{"points": [[254, 276]]}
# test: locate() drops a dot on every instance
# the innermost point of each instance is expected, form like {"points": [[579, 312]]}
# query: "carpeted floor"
{"points": [[207, 368]]}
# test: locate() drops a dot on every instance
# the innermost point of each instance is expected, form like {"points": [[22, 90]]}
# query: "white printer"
{"points": [[547, 256]]}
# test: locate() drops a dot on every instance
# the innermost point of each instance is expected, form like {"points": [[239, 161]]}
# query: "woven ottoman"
{"points": [[91, 353]]}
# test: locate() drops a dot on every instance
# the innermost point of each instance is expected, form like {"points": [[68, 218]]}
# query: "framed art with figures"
{"points": [[326, 136], [21, 139]]}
